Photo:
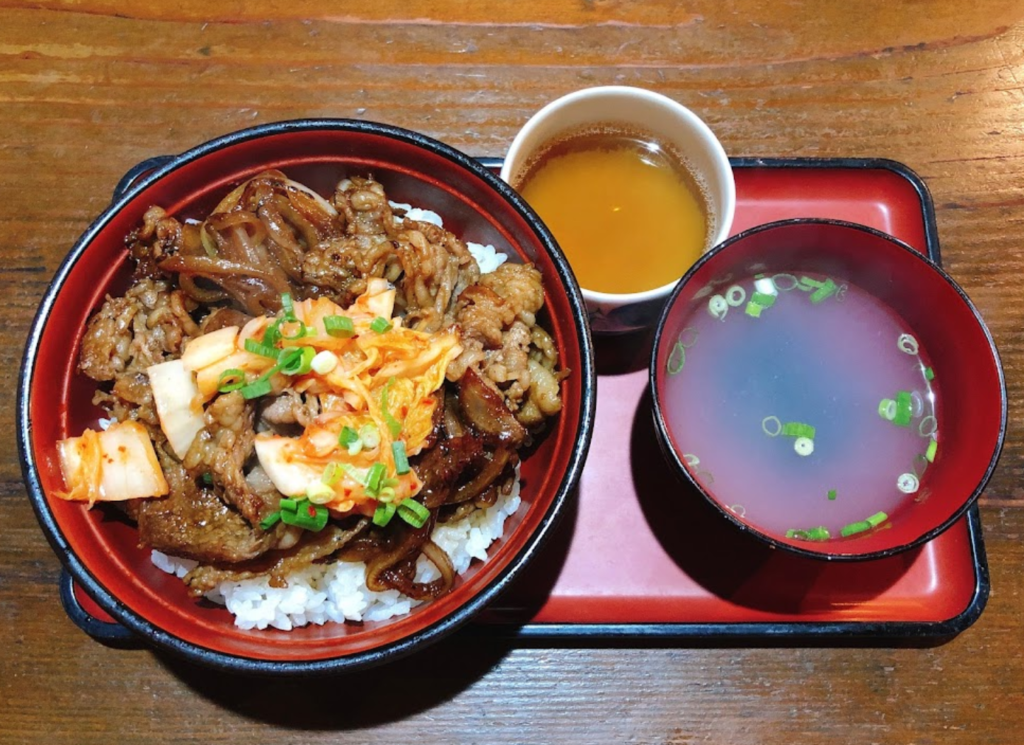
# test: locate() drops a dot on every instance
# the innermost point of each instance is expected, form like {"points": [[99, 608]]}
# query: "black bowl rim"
{"points": [[377, 655], [680, 467]]}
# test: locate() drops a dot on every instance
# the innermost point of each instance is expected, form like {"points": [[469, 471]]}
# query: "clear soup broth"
{"points": [[625, 209], [804, 404]]}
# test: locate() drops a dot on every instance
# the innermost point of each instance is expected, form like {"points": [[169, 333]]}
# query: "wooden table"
{"points": [[89, 88]]}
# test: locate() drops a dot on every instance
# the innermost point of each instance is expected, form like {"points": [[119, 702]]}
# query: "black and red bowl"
{"points": [[54, 402], [969, 387]]}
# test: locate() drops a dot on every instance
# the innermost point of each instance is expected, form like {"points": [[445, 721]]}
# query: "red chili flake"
{"points": [[311, 510]]}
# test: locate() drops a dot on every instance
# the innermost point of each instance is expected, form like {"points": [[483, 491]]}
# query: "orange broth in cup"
{"points": [[625, 209]]}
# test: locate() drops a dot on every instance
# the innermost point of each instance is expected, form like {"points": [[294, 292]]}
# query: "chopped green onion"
{"points": [[676, 359], [929, 374], [288, 307], [688, 337], [340, 327], [387, 494], [332, 474], [827, 290], [803, 446], [735, 296], [790, 283], [373, 479], [887, 409], [288, 504], [806, 283], [272, 335], [778, 426], [369, 435], [907, 344], [350, 440], [297, 360], [319, 493], [383, 514], [356, 474], [256, 389], [380, 325], [718, 307], [265, 377], [854, 528], [306, 515], [763, 299], [753, 309], [263, 350], [820, 533], [393, 424], [348, 437], [877, 519], [832, 494], [908, 483], [413, 513], [271, 520], [324, 362], [208, 478], [231, 380], [303, 331], [933, 447], [904, 409], [798, 429], [401, 459]]}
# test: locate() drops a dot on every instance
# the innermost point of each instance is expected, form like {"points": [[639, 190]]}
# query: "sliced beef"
{"points": [[484, 409], [221, 449], [436, 267], [278, 565], [128, 334], [194, 523], [221, 318], [364, 206], [289, 408], [441, 467], [502, 341], [339, 267]]}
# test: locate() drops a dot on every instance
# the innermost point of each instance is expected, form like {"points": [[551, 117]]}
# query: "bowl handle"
{"points": [[109, 632], [137, 171]]}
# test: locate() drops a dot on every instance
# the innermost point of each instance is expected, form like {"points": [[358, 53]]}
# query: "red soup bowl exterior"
{"points": [[971, 392], [103, 555]]}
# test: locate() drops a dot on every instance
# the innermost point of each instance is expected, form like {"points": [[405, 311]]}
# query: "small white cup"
{"points": [[670, 122]]}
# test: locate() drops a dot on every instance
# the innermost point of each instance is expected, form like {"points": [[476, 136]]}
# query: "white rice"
{"points": [[337, 592]]}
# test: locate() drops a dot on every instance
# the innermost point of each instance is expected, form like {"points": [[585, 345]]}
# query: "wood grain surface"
{"points": [[90, 87]]}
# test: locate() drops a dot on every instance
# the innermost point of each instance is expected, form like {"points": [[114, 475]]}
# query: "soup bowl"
{"points": [[101, 550], [827, 388]]}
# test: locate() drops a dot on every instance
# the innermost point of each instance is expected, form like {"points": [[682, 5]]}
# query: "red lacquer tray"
{"points": [[642, 556]]}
